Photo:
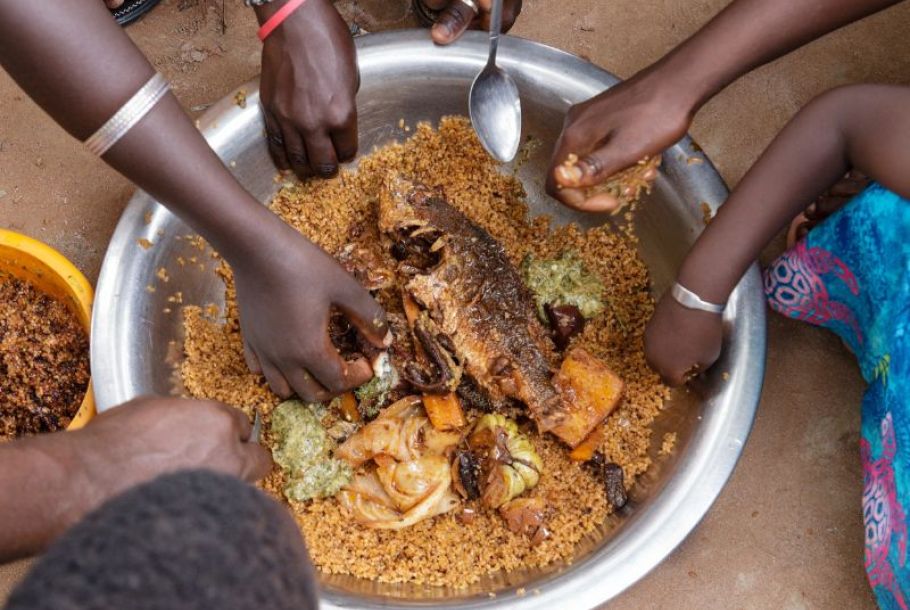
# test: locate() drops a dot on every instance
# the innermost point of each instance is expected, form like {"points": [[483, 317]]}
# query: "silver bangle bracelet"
{"points": [[690, 300], [129, 114]]}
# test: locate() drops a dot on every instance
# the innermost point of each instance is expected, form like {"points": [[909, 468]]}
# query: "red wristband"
{"points": [[278, 18]]}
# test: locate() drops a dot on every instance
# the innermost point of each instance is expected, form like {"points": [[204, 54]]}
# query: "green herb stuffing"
{"points": [[372, 395], [302, 450], [563, 281]]}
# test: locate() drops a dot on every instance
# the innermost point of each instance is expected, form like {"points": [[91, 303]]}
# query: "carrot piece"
{"points": [[411, 308], [349, 408], [445, 411], [412, 312], [585, 450]]}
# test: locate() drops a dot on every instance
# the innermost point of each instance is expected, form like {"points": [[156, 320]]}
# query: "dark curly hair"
{"points": [[192, 540]]}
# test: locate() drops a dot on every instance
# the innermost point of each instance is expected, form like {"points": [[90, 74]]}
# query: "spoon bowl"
{"points": [[494, 104], [495, 111]]}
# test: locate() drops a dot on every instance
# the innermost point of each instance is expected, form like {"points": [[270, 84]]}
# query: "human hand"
{"points": [[614, 130], [148, 437], [286, 297], [457, 16], [681, 342], [307, 89]]}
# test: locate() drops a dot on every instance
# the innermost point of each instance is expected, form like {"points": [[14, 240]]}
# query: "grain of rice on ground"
{"points": [[444, 551]]}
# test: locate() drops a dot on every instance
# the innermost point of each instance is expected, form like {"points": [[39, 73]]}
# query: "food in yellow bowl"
{"points": [[45, 316]]}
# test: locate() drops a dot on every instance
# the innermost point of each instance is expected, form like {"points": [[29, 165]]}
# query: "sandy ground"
{"points": [[787, 530]]}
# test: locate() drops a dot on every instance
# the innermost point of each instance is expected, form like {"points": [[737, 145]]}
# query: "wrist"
{"points": [[246, 235], [668, 89], [691, 300], [267, 9], [693, 77], [264, 12], [705, 284]]}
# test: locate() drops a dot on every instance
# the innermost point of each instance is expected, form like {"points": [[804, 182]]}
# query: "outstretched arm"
{"points": [[866, 127], [80, 67], [652, 110], [50, 481]]}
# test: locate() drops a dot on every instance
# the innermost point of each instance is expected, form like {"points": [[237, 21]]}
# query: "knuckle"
{"points": [[280, 113], [281, 391], [310, 128], [340, 115], [309, 395], [571, 138], [335, 386], [453, 17], [332, 376]]}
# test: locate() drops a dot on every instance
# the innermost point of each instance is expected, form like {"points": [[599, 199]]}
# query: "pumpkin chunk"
{"points": [[590, 392]]}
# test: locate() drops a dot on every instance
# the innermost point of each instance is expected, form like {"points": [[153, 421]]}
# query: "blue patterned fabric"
{"points": [[850, 274]]}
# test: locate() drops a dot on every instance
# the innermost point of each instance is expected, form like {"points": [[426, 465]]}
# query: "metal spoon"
{"points": [[494, 103]]}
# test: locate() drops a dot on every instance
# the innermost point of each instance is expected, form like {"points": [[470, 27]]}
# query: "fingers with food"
{"points": [[288, 334], [610, 147], [640, 118]]}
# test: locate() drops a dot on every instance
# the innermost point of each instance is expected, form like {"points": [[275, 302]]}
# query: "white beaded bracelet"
{"points": [[129, 114]]}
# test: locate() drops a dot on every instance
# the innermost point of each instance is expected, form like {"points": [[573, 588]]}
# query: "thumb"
{"points": [[367, 316], [453, 21], [579, 199], [596, 166]]}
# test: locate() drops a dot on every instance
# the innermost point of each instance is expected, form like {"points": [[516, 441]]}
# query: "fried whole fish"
{"points": [[478, 308]]}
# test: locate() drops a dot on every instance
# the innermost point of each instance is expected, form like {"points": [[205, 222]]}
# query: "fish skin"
{"points": [[476, 297]]}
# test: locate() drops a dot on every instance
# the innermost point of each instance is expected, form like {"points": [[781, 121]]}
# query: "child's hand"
{"points": [[285, 299], [680, 342], [612, 131]]}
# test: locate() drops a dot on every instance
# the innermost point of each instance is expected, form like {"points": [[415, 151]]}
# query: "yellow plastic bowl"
{"points": [[48, 270]]}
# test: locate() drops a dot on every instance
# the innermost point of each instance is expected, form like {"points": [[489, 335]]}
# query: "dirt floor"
{"points": [[787, 531]]}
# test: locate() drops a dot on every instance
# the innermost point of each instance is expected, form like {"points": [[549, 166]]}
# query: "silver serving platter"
{"points": [[134, 343]]}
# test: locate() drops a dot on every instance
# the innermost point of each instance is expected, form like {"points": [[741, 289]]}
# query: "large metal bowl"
{"points": [[405, 76]]}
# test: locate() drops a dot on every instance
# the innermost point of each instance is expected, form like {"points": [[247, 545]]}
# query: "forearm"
{"points": [[866, 127], [40, 494], [750, 33], [82, 75]]}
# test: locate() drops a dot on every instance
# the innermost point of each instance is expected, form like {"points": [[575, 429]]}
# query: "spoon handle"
{"points": [[495, 29]]}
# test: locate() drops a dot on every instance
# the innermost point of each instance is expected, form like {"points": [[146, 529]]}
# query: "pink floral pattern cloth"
{"points": [[851, 274]]}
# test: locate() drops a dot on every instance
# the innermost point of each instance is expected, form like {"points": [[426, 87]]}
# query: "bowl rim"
{"points": [[666, 519], [80, 289]]}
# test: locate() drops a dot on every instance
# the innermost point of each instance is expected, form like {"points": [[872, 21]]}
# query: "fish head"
{"points": [[414, 221], [405, 205]]}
